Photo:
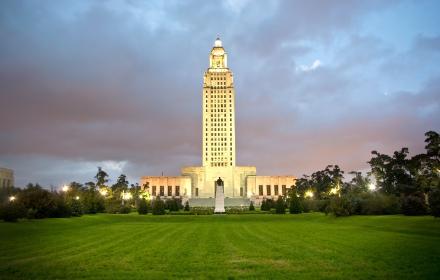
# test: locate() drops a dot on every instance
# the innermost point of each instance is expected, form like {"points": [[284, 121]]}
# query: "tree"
{"points": [[280, 206], [76, 208], [434, 202], [414, 204], [101, 178], [158, 207], [142, 207], [295, 206], [251, 207], [186, 208]]}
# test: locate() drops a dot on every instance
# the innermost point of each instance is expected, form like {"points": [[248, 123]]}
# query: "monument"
{"points": [[219, 197], [198, 184]]}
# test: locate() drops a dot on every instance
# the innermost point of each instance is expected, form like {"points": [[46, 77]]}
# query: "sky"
{"points": [[118, 84]]}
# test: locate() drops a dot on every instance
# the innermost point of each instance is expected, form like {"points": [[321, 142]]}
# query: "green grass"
{"points": [[307, 246]]}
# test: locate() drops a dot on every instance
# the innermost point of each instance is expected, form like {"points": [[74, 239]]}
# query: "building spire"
{"points": [[218, 42]]}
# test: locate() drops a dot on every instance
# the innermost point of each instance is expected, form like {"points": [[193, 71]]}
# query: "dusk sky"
{"points": [[118, 84]]}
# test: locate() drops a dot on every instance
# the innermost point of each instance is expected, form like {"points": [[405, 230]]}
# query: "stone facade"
{"points": [[6, 178], [218, 149]]}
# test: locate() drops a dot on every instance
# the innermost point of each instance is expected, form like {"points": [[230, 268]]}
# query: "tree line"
{"points": [[396, 184], [76, 199]]}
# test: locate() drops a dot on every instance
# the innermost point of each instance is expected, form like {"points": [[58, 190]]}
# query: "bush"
{"points": [[173, 204], [340, 206], [251, 206], [280, 206], [295, 206], [307, 205], [202, 210], [434, 202], [414, 204], [142, 207], [267, 204], [186, 208], [11, 212], [236, 210], [158, 207], [124, 209], [76, 208], [61, 208], [39, 202], [377, 204]]}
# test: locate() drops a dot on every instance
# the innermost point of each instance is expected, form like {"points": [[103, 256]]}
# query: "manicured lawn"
{"points": [[307, 246]]}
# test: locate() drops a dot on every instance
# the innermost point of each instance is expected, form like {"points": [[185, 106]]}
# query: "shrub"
{"points": [[434, 202], [39, 202], [340, 206], [61, 209], [11, 212], [76, 208], [158, 207], [377, 204], [307, 205], [414, 204], [142, 207], [267, 204], [236, 210], [173, 204], [186, 208], [295, 206], [251, 206], [124, 209], [280, 206], [202, 210]]}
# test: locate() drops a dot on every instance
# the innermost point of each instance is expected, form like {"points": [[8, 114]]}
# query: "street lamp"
{"points": [[65, 188], [309, 194], [77, 197], [372, 187], [12, 198]]}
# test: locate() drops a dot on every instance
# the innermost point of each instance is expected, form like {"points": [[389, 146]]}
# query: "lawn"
{"points": [[307, 246]]}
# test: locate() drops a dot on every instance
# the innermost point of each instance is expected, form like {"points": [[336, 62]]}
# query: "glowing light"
{"points": [[77, 197], [372, 187], [126, 196], [65, 188], [12, 198], [103, 191], [308, 194], [140, 196], [333, 191]]}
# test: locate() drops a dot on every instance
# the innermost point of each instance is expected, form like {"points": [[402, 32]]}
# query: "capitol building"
{"points": [[196, 184]]}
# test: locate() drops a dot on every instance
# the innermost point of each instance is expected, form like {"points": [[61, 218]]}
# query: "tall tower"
{"points": [[218, 111]]}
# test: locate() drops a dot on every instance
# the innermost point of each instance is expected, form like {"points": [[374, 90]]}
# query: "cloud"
{"points": [[118, 85], [307, 68]]}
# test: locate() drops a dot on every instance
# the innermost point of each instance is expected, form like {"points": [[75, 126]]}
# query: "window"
{"points": [[154, 191], [170, 190], [260, 190], [268, 190], [177, 193], [161, 191], [283, 189], [241, 191], [275, 190], [197, 191]]}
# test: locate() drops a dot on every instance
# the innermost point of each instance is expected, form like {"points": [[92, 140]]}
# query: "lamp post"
{"points": [[12, 198]]}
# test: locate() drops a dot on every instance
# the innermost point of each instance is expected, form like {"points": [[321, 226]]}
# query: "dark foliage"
{"points": [[280, 206], [158, 206], [251, 207], [186, 208], [434, 202], [142, 207], [340, 206], [414, 204], [11, 212], [295, 206]]}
